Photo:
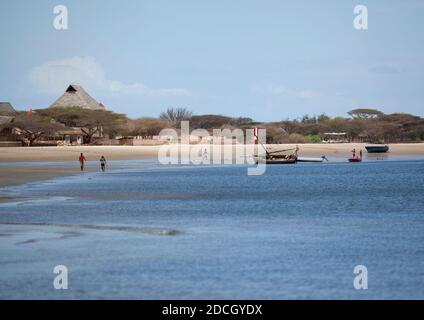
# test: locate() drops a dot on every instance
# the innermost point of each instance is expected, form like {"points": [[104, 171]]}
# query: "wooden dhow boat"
{"points": [[278, 156]]}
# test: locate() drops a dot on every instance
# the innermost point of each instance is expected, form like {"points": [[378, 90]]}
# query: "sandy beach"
{"points": [[20, 154], [25, 154], [11, 173]]}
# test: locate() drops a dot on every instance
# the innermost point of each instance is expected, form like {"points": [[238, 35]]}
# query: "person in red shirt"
{"points": [[82, 160]]}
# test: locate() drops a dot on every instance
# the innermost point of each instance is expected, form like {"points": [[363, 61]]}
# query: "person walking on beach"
{"points": [[103, 163], [82, 160]]}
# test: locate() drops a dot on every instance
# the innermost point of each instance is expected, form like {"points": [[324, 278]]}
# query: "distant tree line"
{"points": [[367, 125], [363, 124]]}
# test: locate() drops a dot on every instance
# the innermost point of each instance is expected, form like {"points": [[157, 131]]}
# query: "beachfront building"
{"points": [[8, 136], [70, 136], [335, 137], [143, 140], [7, 113], [6, 109], [76, 96]]}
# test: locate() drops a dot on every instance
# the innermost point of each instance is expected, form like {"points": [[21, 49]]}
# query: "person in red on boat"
{"points": [[82, 161]]}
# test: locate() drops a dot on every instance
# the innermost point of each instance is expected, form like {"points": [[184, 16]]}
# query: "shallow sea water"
{"points": [[154, 232]]}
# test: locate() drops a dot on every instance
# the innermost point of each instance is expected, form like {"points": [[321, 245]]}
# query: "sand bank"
{"points": [[15, 175], [29, 154], [25, 154], [12, 173]]}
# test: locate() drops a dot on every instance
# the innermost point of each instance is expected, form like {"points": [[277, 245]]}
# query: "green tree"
{"points": [[89, 121], [365, 113], [33, 126]]}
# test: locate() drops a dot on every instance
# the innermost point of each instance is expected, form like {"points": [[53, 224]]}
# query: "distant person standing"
{"points": [[103, 163], [360, 153], [82, 161], [353, 153]]}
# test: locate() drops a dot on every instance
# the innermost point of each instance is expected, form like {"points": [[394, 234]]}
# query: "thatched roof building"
{"points": [[6, 108], [6, 119], [76, 96], [7, 113]]}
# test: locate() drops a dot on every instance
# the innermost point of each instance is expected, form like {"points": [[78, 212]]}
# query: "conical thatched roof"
{"points": [[76, 96], [6, 119], [6, 108]]}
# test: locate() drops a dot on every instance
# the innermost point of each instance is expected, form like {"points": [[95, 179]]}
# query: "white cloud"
{"points": [[53, 76]]}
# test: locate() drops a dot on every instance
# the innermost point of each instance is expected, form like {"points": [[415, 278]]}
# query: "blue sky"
{"points": [[269, 60]]}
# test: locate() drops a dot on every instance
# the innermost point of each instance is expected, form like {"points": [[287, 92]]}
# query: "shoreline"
{"points": [[55, 154], [13, 173], [18, 175]]}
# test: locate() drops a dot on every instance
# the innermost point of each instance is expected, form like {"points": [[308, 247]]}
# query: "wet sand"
{"points": [[6, 198], [15, 175], [26, 154], [145, 230]]}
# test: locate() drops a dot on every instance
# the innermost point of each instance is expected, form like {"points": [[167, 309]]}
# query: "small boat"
{"points": [[280, 161], [377, 149], [276, 160], [309, 159], [278, 157], [355, 159]]}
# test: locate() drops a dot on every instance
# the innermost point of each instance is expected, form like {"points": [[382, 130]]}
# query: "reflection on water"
{"points": [[377, 156]]}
